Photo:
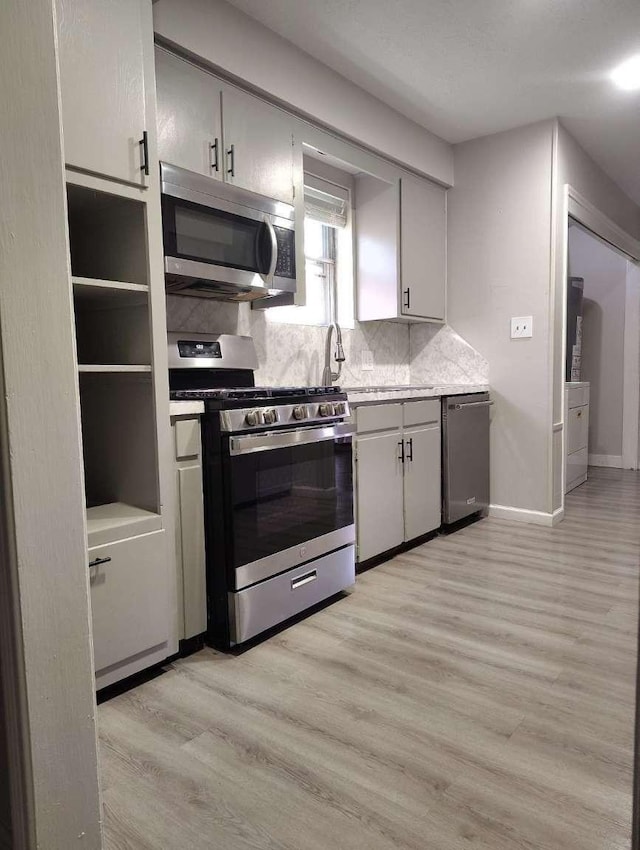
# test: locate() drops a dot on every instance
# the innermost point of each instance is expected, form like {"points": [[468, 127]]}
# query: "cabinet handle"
{"points": [[144, 144], [97, 561], [401, 447], [410, 449], [579, 414], [214, 150], [231, 153], [407, 292]]}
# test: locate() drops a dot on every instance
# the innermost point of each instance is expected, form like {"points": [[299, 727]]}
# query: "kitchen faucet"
{"points": [[328, 376]]}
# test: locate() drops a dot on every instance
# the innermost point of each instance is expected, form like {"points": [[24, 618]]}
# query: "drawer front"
{"points": [[130, 601], [576, 467], [577, 396], [378, 417], [187, 438], [578, 428], [271, 602], [421, 412]]}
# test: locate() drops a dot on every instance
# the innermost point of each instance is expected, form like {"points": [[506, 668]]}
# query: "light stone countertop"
{"points": [[185, 408], [363, 395], [359, 396]]}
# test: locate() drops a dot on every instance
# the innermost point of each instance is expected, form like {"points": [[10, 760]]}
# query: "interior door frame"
{"points": [[576, 206]]}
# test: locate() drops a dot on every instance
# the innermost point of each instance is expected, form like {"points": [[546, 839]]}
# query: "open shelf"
{"points": [[107, 368], [118, 521], [107, 236], [96, 294], [119, 439]]}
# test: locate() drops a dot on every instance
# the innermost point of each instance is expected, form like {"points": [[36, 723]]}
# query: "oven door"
{"points": [[291, 499]]}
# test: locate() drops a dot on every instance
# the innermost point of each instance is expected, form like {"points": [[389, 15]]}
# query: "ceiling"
{"points": [[468, 68]]}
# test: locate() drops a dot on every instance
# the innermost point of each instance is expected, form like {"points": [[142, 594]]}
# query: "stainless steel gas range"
{"points": [[277, 486]]}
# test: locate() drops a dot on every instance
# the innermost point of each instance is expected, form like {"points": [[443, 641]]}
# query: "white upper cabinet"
{"points": [[208, 126], [189, 124], [401, 234], [258, 145], [101, 55], [423, 246]]}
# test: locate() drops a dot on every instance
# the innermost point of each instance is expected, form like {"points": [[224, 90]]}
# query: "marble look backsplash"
{"points": [[294, 354], [438, 355]]}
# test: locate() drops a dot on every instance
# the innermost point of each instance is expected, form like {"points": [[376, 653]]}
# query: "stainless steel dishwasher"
{"points": [[465, 455]]}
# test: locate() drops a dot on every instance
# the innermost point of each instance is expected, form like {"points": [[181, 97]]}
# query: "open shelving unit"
{"points": [[109, 265]]}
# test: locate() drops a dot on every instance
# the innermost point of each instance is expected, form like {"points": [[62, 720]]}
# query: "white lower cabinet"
{"points": [[379, 483], [422, 486], [576, 418], [130, 606], [397, 478]]}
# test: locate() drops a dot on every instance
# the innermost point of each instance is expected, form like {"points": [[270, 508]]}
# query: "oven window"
{"points": [[212, 236], [286, 497]]}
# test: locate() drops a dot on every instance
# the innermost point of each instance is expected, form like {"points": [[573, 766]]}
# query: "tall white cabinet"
{"points": [[115, 247], [102, 81], [398, 474]]}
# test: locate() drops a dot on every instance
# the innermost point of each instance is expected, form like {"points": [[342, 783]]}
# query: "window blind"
{"points": [[325, 202]]}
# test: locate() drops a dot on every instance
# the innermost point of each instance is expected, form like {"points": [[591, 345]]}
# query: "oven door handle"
{"points": [[288, 439]]}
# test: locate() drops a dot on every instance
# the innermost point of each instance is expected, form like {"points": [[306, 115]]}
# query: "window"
{"points": [[328, 258]]}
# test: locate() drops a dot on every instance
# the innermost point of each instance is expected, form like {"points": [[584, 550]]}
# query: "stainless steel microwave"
{"points": [[221, 241]]}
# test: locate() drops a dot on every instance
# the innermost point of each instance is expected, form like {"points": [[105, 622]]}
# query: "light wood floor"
{"points": [[477, 692]]}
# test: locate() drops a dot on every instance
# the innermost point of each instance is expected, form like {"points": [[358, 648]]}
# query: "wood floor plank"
{"points": [[477, 691]]}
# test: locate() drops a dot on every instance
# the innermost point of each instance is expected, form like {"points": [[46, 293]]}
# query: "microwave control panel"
{"points": [[286, 264]]}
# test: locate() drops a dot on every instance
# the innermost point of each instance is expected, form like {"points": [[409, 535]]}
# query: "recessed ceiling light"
{"points": [[627, 75]]}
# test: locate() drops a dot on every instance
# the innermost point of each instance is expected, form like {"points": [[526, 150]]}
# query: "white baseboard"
{"points": [[613, 461], [523, 515]]}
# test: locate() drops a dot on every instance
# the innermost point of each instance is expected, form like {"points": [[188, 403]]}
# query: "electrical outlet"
{"points": [[521, 327], [367, 360]]}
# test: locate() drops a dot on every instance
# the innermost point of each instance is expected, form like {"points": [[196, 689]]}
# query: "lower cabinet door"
{"points": [[422, 481], [130, 599], [379, 494]]}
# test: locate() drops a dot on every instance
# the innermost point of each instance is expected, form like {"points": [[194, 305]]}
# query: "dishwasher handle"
{"points": [[470, 404]]}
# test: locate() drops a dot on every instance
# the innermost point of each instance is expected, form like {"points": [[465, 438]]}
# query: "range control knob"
{"points": [[252, 417], [339, 408], [299, 412], [270, 416], [325, 409]]}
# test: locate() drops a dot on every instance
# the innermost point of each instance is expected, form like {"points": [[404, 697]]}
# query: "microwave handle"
{"points": [[274, 247]]}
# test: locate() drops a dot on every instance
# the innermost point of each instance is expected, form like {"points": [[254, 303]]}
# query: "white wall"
{"points": [[498, 259], [228, 40], [605, 272]]}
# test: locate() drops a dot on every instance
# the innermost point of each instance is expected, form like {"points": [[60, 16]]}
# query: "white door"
{"points": [[258, 143], [189, 125], [102, 86], [379, 515], [423, 246], [422, 481]]}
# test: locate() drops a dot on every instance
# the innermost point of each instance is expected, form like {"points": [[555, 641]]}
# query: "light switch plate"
{"points": [[521, 327], [367, 360]]}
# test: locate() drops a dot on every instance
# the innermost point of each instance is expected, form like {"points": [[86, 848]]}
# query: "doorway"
{"points": [[603, 347]]}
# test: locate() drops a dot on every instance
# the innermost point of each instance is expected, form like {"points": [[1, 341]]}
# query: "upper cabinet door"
{"points": [[258, 145], [423, 240], [101, 55], [189, 126]]}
